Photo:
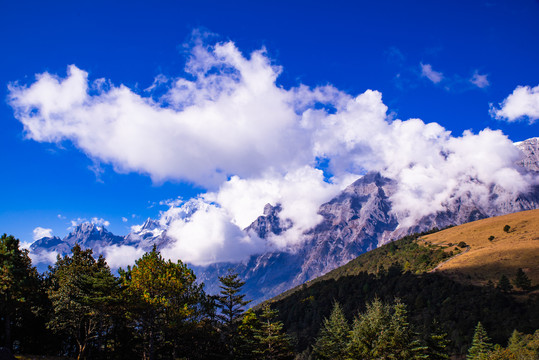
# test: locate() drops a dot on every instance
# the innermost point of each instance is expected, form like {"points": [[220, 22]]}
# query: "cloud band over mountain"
{"points": [[229, 127]]}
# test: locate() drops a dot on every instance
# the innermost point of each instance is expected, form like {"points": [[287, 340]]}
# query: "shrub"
{"points": [[491, 237], [506, 228], [462, 245]]}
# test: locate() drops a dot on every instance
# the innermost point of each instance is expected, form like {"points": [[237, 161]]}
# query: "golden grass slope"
{"points": [[489, 259]]}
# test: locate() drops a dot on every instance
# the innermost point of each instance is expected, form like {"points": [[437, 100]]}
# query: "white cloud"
{"points": [[124, 219], [40, 232], [429, 73], [522, 103], [232, 129], [122, 256], [43, 257], [100, 221], [480, 81], [95, 220], [209, 236]]}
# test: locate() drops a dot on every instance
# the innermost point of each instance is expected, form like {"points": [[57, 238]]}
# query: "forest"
{"points": [[156, 309]]}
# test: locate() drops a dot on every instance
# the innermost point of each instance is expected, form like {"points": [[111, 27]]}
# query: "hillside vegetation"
{"points": [[415, 270]]}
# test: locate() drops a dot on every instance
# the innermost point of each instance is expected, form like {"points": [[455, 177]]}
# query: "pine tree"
{"points": [[437, 343], [383, 332], [81, 289], [522, 280], [19, 282], [504, 284], [245, 344], [481, 345], [274, 343], [334, 335], [161, 296], [230, 300]]}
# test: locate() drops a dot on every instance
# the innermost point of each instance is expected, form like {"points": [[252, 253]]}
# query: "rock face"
{"points": [[357, 220], [86, 234], [530, 148]]}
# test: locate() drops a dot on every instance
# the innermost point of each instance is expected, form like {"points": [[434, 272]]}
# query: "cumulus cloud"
{"points": [[481, 81], [124, 219], [43, 257], [95, 220], [208, 236], [231, 128], [122, 256], [40, 232], [522, 103], [429, 73]]}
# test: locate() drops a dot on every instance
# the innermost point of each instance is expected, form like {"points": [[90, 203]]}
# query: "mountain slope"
{"points": [[449, 297], [359, 219], [489, 259]]}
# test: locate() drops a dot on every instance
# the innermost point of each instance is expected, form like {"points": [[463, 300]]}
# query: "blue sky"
{"points": [[420, 55]]}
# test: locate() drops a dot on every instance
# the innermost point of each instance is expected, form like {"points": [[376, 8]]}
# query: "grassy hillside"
{"points": [[436, 278], [492, 251], [408, 253]]}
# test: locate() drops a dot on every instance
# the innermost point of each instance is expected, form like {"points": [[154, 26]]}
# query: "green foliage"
{"points": [[19, 285], [481, 345], [246, 345], [231, 301], [462, 245], [162, 299], [437, 343], [491, 237], [274, 344], [81, 290], [332, 341], [506, 228], [522, 280], [524, 347], [383, 332], [504, 284]]}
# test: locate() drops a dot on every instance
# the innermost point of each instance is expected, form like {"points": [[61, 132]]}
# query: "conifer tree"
{"points": [[162, 297], [504, 284], [437, 343], [245, 344], [334, 335], [80, 292], [481, 345], [383, 332], [522, 280], [19, 281], [274, 343], [230, 300]]}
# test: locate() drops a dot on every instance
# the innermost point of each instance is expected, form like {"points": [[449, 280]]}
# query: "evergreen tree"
{"points": [[19, 283], [246, 345], [230, 300], [334, 334], [274, 343], [524, 347], [162, 297], [481, 345], [383, 332], [504, 284], [81, 290], [522, 280], [437, 343]]}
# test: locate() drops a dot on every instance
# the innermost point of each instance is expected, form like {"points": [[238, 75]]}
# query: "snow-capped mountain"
{"points": [[357, 220], [86, 234]]}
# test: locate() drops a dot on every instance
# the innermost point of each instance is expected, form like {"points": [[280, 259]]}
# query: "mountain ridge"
{"points": [[359, 219]]}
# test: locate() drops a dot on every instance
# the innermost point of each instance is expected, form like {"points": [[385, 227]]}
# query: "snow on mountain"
{"points": [[357, 220]]}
